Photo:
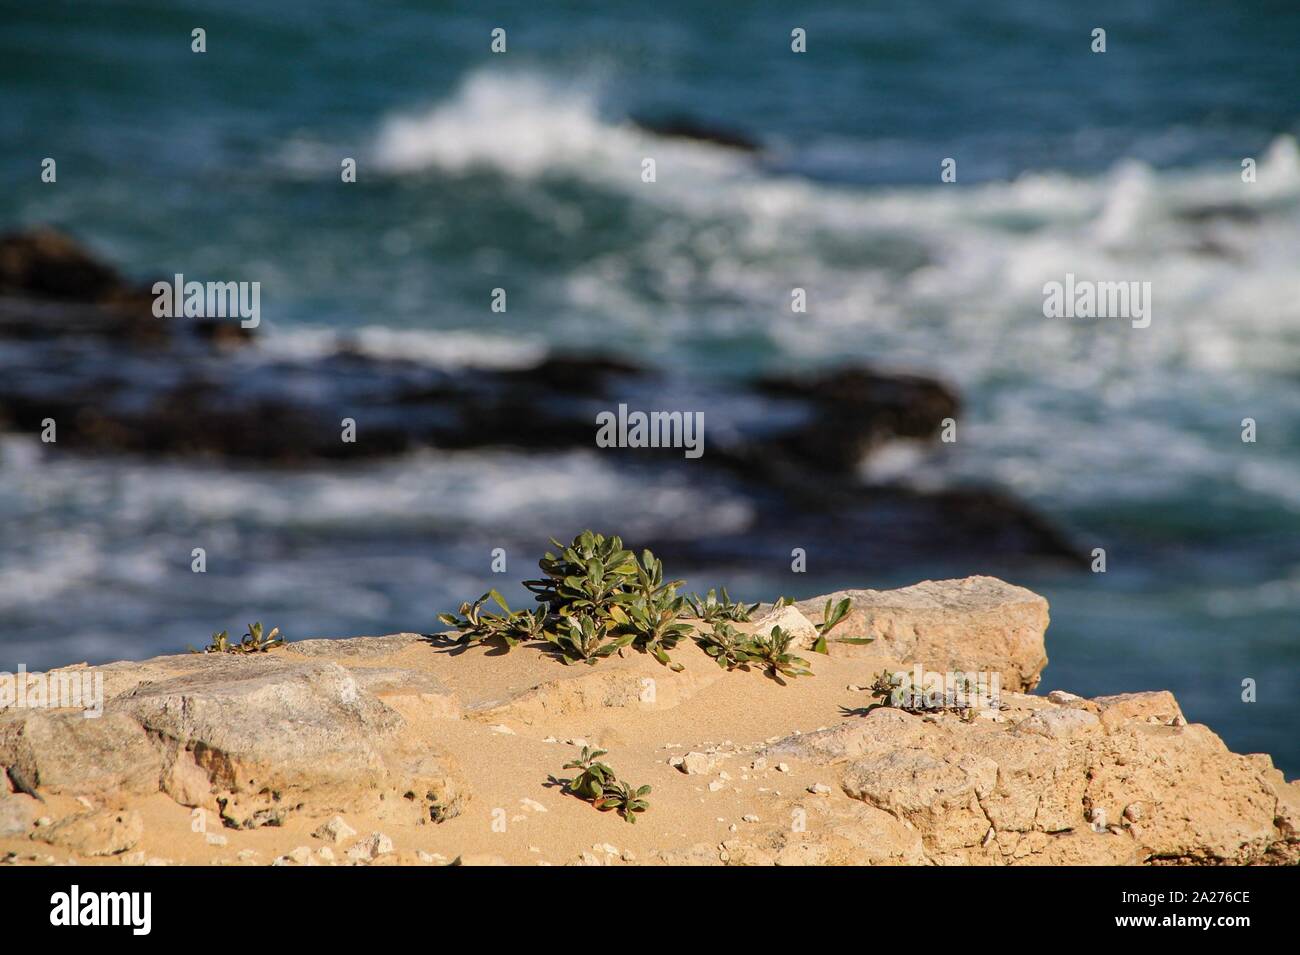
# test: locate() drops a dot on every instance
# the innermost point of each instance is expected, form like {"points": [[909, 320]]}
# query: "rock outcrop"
{"points": [[410, 749], [83, 349]]}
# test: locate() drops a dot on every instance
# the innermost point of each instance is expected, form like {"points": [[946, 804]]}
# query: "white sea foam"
{"points": [[436, 348]]}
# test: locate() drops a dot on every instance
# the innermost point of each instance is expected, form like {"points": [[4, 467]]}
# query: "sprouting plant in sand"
{"points": [[590, 783], [884, 686], [586, 640], [772, 653], [832, 616], [512, 626], [725, 644], [625, 799], [253, 642], [585, 575], [889, 690], [711, 608], [597, 598], [597, 784], [651, 622]]}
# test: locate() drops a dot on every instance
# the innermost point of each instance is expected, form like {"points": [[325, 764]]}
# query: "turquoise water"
{"points": [[522, 171]]}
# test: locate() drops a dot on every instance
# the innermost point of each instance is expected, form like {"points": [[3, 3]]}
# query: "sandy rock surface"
{"points": [[414, 750]]}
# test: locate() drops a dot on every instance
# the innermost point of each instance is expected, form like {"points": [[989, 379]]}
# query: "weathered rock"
{"points": [[372, 847], [982, 792], [83, 348], [975, 624], [100, 832], [18, 814], [695, 764], [1040, 780], [1058, 724], [258, 737], [335, 830], [793, 622]]}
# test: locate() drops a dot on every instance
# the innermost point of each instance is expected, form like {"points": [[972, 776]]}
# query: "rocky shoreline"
{"points": [[420, 749], [82, 348]]}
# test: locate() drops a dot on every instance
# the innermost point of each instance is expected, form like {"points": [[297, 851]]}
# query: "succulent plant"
{"points": [[253, 642], [590, 784], [710, 608], [513, 626], [725, 644], [585, 575], [651, 622], [597, 598], [622, 797], [599, 786], [831, 618], [586, 640], [771, 652]]}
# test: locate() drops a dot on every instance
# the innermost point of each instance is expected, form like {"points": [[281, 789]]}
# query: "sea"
{"points": [[1171, 157]]}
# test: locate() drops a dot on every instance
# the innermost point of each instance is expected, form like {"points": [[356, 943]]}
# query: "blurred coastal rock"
{"points": [[403, 730], [83, 348]]}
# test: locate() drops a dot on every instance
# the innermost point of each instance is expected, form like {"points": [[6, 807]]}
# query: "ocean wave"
{"points": [[526, 125]]}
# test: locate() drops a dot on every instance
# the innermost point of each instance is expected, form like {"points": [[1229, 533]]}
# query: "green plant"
{"points": [[710, 608], [651, 622], [586, 640], [585, 575], [624, 798], [597, 598], [884, 686], [590, 783], [725, 645], [599, 786], [831, 618], [888, 690], [513, 626], [771, 652], [253, 642]]}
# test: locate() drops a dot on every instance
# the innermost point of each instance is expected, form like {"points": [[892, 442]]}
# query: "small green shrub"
{"points": [[254, 641], [511, 627], [586, 640], [625, 799], [831, 618], [711, 609], [590, 784], [726, 645], [598, 598], [771, 652], [597, 784]]}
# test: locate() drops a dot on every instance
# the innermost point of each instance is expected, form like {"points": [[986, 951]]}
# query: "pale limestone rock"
{"points": [[372, 847], [100, 832], [335, 830], [1058, 724], [792, 621], [973, 624], [696, 764], [18, 813]]}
